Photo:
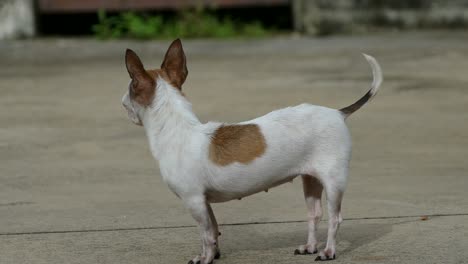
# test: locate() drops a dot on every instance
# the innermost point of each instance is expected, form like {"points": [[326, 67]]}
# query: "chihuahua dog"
{"points": [[217, 162]]}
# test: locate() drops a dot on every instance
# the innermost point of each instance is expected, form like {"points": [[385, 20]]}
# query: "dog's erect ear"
{"points": [[142, 83], [174, 64], [134, 66]]}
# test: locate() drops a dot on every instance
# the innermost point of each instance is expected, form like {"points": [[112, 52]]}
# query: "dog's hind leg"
{"points": [[313, 198], [334, 184]]}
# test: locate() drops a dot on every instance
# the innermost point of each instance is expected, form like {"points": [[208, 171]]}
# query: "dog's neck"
{"points": [[169, 121]]}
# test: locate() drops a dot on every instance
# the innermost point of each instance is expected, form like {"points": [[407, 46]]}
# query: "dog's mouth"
{"points": [[136, 121], [133, 116]]}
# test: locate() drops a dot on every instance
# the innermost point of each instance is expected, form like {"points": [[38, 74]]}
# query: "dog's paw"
{"points": [[200, 259], [218, 254], [326, 254], [196, 260], [305, 250]]}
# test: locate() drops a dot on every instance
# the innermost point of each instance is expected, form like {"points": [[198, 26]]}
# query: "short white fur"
{"points": [[306, 140]]}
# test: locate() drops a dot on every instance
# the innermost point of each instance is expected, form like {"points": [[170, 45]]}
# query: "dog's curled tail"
{"points": [[377, 74]]}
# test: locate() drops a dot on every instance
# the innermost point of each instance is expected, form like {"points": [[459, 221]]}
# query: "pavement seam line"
{"points": [[228, 224]]}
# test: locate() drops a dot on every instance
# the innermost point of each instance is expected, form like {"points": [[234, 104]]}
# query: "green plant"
{"points": [[108, 27], [254, 29], [188, 24], [141, 27]]}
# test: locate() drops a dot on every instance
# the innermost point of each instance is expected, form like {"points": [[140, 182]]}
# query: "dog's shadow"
{"points": [[269, 236]]}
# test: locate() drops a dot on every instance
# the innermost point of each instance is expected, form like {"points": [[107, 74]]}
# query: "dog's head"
{"points": [[142, 89]]}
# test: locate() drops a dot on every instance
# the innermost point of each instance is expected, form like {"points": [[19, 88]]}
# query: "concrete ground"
{"points": [[78, 183]]}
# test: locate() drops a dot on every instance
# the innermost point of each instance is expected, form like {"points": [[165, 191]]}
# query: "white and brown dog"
{"points": [[217, 162]]}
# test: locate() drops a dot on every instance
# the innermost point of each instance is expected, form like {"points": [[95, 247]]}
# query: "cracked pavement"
{"points": [[78, 183]]}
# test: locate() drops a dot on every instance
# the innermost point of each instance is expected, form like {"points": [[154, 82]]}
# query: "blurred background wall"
{"points": [[27, 18], [326, 17], [17, 18]]}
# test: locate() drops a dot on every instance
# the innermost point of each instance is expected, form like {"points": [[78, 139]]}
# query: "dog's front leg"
{"points": [[216, 230], [203, 214]]}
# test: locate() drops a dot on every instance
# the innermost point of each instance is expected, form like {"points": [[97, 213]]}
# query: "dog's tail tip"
{"points": [[376, 72], [367, 56], [376, 82]]}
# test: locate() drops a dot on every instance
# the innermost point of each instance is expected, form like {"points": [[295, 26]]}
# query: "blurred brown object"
{"points": [[73, 6]]}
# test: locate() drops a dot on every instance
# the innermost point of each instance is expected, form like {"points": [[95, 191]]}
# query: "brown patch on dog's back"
{"points": [[236, 143]]}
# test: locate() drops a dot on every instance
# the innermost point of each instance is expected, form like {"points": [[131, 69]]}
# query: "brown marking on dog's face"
{"points": [[236, 143], [174, 64], [155, 73], [159, 73], [143, 84], [142, 88]]}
